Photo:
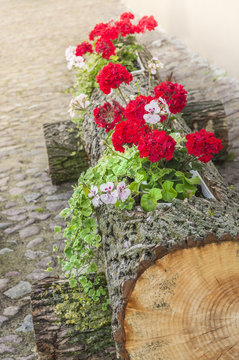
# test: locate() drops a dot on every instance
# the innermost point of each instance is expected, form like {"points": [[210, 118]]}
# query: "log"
{"points": [[173, 280], [172, 274], [56, 339], [67, 158]]}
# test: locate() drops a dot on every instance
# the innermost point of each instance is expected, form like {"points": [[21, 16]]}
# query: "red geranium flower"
{"points": [[157, 145], [128, 133], [126, 16], [107, 116], [83, 48], [125, 27], [147, 22], [135, 109], [106, 47], [98, 30], [174, 94], [106, 31], [203, 144], [111, 76]]}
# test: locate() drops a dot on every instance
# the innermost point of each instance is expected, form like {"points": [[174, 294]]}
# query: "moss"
{"points": [[87, 323]]}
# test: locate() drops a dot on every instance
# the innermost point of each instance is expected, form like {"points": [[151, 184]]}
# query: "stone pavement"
{"points": [[34, 83]]}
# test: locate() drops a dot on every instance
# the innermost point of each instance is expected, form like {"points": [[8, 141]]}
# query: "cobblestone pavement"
{"points": [[34, 80]]}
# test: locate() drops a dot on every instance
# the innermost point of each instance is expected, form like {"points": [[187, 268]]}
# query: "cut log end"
{"points": [[186, 306]]}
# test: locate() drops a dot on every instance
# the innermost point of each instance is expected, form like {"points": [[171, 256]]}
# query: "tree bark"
{"points": [[58, 340], [67, 158]]}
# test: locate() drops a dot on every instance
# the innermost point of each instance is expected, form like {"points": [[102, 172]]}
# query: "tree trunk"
{"points": [[66, 155], [56, 339], [173, 274]]}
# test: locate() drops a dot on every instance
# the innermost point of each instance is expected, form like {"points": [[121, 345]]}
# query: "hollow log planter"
{"points": [[66, 156], [173, 274]]}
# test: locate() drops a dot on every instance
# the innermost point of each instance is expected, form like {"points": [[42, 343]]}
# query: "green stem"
{"points": [[114, 152], [149, 82]]}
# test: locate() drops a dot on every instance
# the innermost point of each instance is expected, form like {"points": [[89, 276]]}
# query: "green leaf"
{"points": [[186, 189], [156, 194], [72, 282], [86, 212], [55, 248], [134, 187], [141, 176], [148, 203], [65, 213], [193, 181], [92, 268], [169, 193], [128, 204], [57, 229]]}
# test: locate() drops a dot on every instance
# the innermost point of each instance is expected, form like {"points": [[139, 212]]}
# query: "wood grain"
{"points": [[186, 306]]}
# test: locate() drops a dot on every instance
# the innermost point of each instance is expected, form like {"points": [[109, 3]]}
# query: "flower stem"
{"points": [[149, 82], [122, 96], [114, 152]]}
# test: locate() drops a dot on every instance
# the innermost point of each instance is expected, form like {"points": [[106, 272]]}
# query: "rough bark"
{"points": [[66, 155], [57, 340], [209, 115]]}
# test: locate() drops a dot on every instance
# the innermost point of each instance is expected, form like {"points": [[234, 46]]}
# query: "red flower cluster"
{"points": [[135, 109], [105, 31], [106, 47], [147, 22], [174, 94], [123, 27], [157, 145], [107, 116], [111, 76], [128, 133], [108, 32], [203, 144], [83, 48]]}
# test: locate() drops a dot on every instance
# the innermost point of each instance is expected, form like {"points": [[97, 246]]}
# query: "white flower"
{"points": [[153, 110], [164, 107], [153, 68], [96, 201], [155, 64], [111, 196], [72, 59], [79, 62], [70, 52], [94, 193], [123, 193], [79, 103]]}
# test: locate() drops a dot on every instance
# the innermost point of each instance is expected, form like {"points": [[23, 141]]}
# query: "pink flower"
{"points": [[111, 196], [123, 193]]}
